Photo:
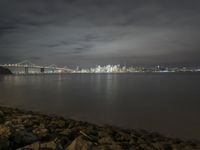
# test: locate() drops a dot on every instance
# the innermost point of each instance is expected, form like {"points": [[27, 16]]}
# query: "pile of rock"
{"points": [[32, 131]]}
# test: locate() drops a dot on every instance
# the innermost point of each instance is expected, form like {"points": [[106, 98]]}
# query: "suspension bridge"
{"points": [[27, 67]]}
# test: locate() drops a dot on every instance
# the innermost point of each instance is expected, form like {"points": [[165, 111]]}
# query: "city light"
{"points": [[27, 67]]}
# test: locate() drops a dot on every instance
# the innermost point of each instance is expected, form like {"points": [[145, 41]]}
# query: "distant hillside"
{"points": [[4, 71]]}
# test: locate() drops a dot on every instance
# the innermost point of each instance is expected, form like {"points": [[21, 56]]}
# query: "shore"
{"points": [[4, 71], [26, 130]]}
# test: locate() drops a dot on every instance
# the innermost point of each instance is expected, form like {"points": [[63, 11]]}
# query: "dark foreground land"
{"points": [[33, 131], [4, 71]]}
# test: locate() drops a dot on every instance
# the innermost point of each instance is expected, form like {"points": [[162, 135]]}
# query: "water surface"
{"points": [[165, 102]]}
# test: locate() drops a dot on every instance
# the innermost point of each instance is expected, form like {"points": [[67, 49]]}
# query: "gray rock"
{"points": [[109, 147], [23, 137], [57, 123], [41, 132], [5, 132], [50, 145], [109, 143], [106, 140], [80, 144], [71, 124], [9, 124], [70, 133], [28, 123]]}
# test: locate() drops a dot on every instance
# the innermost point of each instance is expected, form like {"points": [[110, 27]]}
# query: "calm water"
{"points": [[168, 103]]}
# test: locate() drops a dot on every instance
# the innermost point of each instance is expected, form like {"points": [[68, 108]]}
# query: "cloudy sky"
{"points": [[91, 32]]}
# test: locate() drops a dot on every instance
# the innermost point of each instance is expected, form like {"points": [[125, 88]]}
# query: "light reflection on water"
{"points": [[168, 103]]}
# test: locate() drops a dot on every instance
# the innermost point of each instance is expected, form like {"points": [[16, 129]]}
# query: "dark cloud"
{"points": [[90, 32]]}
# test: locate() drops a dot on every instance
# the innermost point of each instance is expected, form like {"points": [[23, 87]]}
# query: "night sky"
{"points": [[91, 32]]}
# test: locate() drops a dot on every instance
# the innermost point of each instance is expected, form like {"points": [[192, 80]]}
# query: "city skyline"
{"points": [[27, 67]]}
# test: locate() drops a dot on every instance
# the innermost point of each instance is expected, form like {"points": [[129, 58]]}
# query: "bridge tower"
{"points": [[42, 70], [26, 70], [27, 65], [53, 67]]}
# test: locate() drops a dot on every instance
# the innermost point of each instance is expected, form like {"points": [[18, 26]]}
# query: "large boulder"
{"points": [[71, 134], [22, 137], [41, 132], [80, 144], [50, 145], [5, 132]]}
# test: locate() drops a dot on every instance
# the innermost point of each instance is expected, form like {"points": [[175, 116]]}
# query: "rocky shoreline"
{"points": [[26, 130]]}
